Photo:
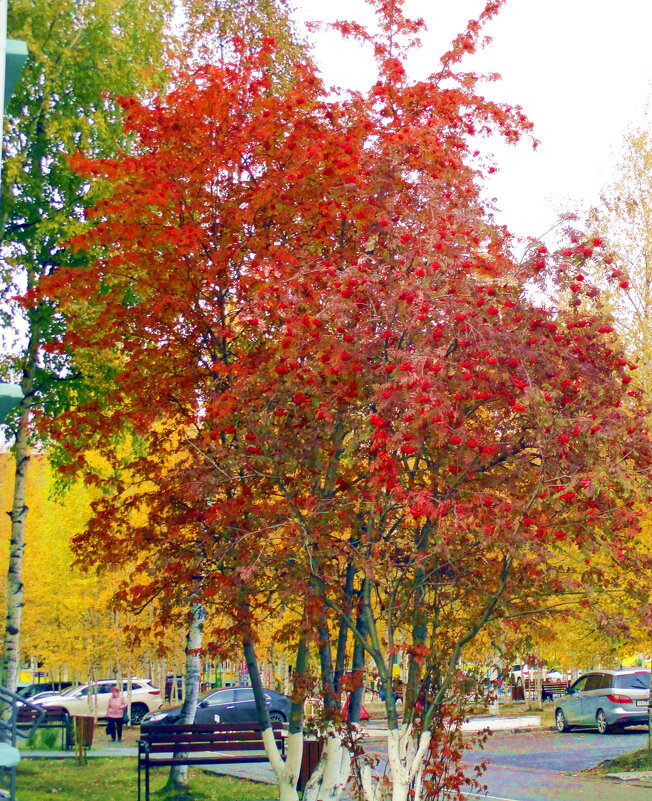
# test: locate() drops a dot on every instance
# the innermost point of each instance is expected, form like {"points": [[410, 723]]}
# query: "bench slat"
{"points": [[166, 748], [227, 760], [207, 736]]}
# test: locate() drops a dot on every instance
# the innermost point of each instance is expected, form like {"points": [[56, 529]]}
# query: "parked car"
{"points": [[81, 700], [518, 672], [30, 690], [228, 705], [606, 699], [39, 697]]}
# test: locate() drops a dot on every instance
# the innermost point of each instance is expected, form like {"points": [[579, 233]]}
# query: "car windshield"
{"points": [[69, 691], [632, 681]]}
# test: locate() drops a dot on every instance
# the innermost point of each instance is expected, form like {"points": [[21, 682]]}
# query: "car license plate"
{"points": [[641, 703]]}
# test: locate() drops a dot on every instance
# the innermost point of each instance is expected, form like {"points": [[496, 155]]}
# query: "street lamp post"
{"points": [[13, 54]]}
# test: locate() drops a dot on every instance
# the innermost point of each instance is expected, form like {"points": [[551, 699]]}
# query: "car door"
{"points": [[572, 704], [245, 706], [592, 696], [83, 701], [219, 707]]}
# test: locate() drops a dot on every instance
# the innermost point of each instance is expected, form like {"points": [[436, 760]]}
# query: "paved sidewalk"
{"points": [[262, 772]]}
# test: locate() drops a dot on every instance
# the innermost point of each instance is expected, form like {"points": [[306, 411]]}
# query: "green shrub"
{"points": [[44, 740]]}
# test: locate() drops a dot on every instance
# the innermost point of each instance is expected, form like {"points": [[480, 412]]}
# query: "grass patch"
{"points": [[115, 779], [637, 760]]}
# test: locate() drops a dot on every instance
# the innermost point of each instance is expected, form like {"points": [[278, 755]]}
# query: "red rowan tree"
{"points": [[353, 404]]}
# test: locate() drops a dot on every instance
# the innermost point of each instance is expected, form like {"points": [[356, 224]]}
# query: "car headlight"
{"points": [[155, 717]]}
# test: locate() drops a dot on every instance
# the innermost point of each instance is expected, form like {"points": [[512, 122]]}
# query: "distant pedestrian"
{"points": [[115, 714]]}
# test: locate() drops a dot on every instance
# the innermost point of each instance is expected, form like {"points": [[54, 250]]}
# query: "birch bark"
{"points": [[18, 517], [14, 600], [179, 773]]}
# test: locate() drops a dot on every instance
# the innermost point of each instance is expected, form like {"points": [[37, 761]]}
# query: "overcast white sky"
{"points": [[581, 69]]}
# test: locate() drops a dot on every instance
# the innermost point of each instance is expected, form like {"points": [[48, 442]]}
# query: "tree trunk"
{"points": [[18, 516], [286, 770], [178, 779]]}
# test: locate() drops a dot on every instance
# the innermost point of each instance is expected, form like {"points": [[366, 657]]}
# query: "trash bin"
{"points": [[518, 693], [84, 728], [312, 750]]}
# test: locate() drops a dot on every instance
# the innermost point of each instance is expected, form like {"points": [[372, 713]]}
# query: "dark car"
{"points": [[30, 690], [228, 705]]}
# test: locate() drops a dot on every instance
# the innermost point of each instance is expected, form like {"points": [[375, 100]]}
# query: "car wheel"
{"points": [[138, 712], [560, 721], [601, 720], [277, 717]]}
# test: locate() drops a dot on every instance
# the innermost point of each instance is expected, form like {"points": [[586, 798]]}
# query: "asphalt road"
{"points": [[538, 766], [542, 766]]}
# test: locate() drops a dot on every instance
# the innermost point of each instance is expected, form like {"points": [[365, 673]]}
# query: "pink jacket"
{"points": [[117, 705]]}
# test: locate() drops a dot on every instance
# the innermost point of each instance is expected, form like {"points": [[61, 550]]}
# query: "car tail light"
{"points": [[620, 699], [154, 692]]}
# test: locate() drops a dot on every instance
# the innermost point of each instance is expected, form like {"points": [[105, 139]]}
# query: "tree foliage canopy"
{"points": [[354, 402]]}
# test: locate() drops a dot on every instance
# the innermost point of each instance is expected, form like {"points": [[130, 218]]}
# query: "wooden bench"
{"points": [[549, 689], [201, 744]]}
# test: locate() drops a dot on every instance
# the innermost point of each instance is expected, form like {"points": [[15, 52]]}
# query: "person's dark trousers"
{"points": [[114, 725]]}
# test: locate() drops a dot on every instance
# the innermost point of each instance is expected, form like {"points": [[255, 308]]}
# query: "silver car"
{"points": [[606, 699]]}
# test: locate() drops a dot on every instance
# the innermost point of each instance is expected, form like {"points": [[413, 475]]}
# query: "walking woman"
{"points": [[115, 714]]}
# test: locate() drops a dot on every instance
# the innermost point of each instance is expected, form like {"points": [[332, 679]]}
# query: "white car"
{"points": [[519, 672], [92, 700]]}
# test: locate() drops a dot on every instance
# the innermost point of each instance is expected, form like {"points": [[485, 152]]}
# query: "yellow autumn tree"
{"points": [[71, 628]]}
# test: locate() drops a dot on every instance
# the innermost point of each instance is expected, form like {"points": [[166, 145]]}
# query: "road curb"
{"points": [[643, 778], [498, 723], [475, 724]]}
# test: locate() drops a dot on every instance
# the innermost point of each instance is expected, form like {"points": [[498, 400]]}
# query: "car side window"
{"points": [[244, 695], [221, 697], [595, 681], [580, 684]]}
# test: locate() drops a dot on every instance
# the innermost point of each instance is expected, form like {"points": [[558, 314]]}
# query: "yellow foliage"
{"points": [[67, 620]]}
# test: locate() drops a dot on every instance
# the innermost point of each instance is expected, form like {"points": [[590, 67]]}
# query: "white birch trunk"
{"points": [[179, 773], [332, 773], [286, 770], [407, 758], [14, 599]]}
